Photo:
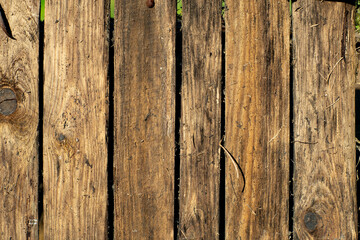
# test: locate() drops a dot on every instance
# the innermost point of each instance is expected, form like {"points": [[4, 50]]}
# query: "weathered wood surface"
{"points": [[144, 105], [19, 71], [75, 117], [200, 127], [324, 173], [257, 118]]}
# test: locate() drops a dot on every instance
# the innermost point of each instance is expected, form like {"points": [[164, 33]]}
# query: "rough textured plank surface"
{"points": [[144, 103], [257, 118], [325, 174], [18, 131], [200, 121], [75, 115]]}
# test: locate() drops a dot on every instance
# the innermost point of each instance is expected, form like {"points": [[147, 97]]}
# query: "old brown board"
{"points": [[75, 116], [144, 105], [19, 118], [324, 144], [200, 127], [257, 58]]}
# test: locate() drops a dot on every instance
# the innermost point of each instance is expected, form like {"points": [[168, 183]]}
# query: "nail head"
{"points": [[150, 3]]}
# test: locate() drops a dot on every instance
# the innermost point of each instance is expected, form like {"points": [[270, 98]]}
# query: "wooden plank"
{"points": [[18, 127], [75, 117], [324, 121], [200, 128], [19, 74], [257, 118], [144, 105]]}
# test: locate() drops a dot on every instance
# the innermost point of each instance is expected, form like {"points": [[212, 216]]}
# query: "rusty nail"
{"points": [[150, 3]]}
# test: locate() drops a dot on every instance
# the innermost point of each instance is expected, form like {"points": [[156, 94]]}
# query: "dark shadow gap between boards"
{"points": [[291, 142], [40, 126], [357, 135], [222, 197], [110, 134], [178, 79]]}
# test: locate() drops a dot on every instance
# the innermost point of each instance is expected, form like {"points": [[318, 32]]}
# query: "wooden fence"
{"points": [[118, 123]]}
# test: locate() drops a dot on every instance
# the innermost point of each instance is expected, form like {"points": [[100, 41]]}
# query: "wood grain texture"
{"points": [[324, 75], [257, 118], [144, 105], [75, 117], [19, 71], [200, 127]]}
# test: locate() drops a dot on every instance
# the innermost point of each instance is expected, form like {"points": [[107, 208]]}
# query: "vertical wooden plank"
{"points": [[19, 71], [200, 127], [144, 105], [75, 116], [324, 75], [257, 118]]}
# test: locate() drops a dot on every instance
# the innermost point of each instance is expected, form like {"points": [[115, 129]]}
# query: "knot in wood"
{"points": [[61, 137], [310, 221], [8, 102]]}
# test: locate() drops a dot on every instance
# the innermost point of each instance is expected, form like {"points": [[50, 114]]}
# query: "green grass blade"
{"points": [[112, 7], [42, 10]]}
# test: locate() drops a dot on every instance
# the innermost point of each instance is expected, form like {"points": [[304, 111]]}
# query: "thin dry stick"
{"points": [[321, 76], [277, 134], [252, 211], [337, 99], [235, 163], [304, 142], [233, 160], [328, 77], [183, 233]]}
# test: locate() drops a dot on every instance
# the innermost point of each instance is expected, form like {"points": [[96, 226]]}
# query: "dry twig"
{"points": [[328, 77], [235, 163]]}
